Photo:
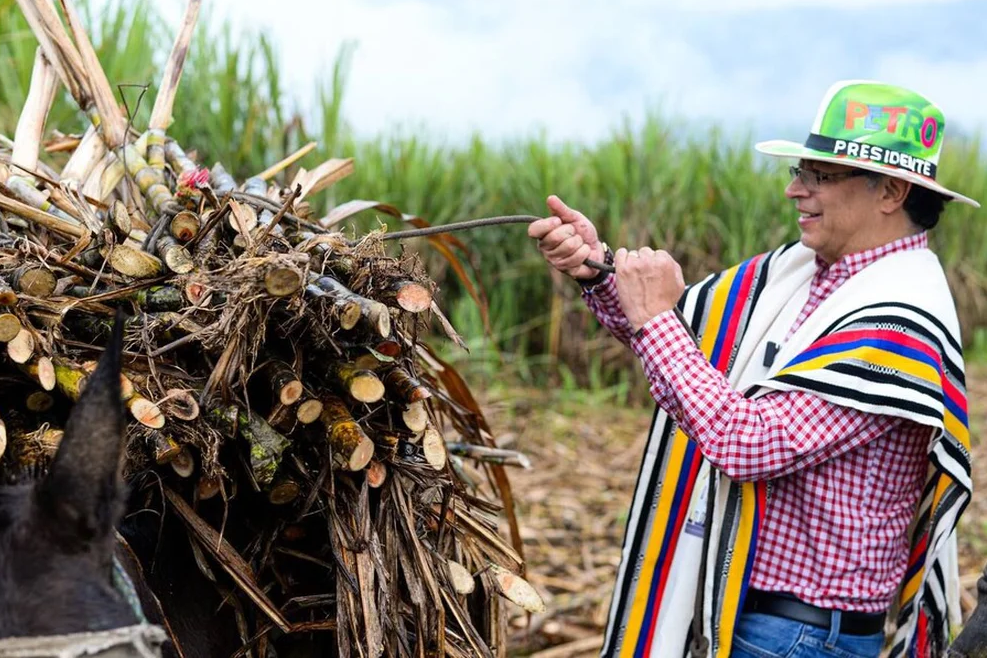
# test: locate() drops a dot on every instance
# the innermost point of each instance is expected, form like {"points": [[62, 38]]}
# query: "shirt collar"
{"points": [[851, 264]]}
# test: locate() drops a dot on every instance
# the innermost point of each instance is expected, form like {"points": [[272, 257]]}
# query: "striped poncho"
{"points": [[886, 342]]}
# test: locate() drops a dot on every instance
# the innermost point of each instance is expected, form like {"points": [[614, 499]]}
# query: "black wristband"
{"points": [[602, 275]]}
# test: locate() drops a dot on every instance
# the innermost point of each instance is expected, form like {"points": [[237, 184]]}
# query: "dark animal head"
{"points": [[57, 534]]}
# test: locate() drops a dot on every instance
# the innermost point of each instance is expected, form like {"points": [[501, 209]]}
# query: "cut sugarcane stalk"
{"points": [[39, 401], [362, 385], [404, 386], [176, 157], [7, 295], [207, 487], [220, 179], [283, 491], [415, 417], [309, 411], [165, 100], [183, 463], [146, 412], [120, 221], [164, 447], [517, 590], [352, 448], [90, 151], [42, 218], [374, 314], [408, 295], [278, 167], [181, 404], [175, 256], [282, 381], [10, 326], [41, 370], [70, 380], [434, 448], [266, 444], [33, 280], [131, 261], [158, 299], [21, 347], [376, 474], [31, 125], [281, 280], [184, 226], [461, 578]]}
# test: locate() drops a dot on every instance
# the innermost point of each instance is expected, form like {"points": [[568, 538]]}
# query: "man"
{"points": [[810, 457]]}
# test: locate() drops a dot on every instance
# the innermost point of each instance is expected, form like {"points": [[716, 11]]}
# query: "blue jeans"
{"points": [[766, 636]]}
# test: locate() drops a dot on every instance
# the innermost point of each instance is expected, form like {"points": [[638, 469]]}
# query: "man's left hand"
{"points": [[648, 283]]}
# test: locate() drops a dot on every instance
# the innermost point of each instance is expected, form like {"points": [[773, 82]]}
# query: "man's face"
{"points": [[835, 215]]}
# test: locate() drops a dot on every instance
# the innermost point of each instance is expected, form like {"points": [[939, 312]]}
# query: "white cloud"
{"points": [[749, 5], [573, 67], [956, 87]]}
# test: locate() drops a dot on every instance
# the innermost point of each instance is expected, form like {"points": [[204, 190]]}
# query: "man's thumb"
{"points": [[560, 210]]}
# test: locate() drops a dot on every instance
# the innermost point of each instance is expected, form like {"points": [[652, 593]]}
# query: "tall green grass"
{"points": [[707, 198]]}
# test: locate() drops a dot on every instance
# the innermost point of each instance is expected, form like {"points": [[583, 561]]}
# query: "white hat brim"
{"points": [[785, 149]]}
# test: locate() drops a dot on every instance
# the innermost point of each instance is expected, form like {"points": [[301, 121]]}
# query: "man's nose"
{"points": [[796, 189]]}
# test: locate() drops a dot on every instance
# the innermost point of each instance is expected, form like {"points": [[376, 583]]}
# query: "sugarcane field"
{"points": [[259, 399]]}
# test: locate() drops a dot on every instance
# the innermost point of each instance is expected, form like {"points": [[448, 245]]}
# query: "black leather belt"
{"points": [[789, 607]]}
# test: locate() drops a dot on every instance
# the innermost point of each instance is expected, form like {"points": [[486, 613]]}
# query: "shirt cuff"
{"points": [[660, 344], [606, 290]]}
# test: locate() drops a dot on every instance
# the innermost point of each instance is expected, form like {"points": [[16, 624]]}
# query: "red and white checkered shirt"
{"points": [[844, 483]]}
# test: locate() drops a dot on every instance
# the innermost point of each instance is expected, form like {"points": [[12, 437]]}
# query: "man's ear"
{"points": [[893, 191], [83, 492]]}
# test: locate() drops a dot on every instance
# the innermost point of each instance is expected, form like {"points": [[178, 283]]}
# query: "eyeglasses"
{"points": [[813, 178]]}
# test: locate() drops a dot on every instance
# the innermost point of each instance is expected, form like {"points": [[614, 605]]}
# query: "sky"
{"points": [[578, 69]]}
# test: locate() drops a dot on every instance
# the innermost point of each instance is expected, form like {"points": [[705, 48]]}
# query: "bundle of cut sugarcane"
{"points": [[273, 371]]}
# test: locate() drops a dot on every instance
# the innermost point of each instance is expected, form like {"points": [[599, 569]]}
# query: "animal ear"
{"points": [[83, 491]]}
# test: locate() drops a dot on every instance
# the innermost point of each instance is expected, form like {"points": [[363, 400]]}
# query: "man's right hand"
{"points": [[566, 239]]}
